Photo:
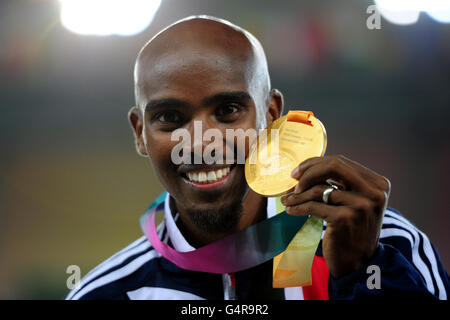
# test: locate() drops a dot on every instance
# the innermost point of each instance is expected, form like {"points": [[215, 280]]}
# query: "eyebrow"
{"points": [[219, 97], [226, 96], [168, 102]]}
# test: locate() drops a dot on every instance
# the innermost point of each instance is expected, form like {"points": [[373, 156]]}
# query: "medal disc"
{"points": [[280, 148]]}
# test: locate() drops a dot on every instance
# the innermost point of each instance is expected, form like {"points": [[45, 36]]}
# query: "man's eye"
{"points": [[227, 110], [168, 117]]}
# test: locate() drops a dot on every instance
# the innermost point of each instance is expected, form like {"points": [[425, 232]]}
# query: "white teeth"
{"points": [[210, 176], [201, 176]]}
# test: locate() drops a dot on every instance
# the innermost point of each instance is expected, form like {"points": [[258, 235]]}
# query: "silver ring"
{"points": [[327, 192]]}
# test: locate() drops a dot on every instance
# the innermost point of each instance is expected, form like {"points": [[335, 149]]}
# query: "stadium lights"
{"points": [[108, 17], [408, 11]]}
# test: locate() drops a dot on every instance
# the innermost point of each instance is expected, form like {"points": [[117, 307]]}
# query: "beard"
{"points": [[217, 220]]}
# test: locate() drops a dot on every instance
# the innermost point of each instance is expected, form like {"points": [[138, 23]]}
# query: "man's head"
{"points": [[210, 71]]}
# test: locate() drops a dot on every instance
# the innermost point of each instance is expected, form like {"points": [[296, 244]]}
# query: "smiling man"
{"points": [[209, 72]]}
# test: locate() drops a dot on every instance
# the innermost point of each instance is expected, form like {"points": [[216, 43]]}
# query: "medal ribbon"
{"points": [[244, 249], [292, 267]]}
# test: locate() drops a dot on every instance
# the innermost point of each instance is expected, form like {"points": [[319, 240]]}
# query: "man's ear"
{"points": [[276, 105], [137, 124]]}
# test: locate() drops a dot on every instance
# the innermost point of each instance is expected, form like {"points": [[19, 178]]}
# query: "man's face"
{"points": [[201, 84]]}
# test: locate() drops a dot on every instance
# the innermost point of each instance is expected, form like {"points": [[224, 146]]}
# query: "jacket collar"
{"points": [[178, 241]]}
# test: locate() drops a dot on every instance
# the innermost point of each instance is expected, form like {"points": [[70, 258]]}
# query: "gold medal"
{"points": [[280, 148]]}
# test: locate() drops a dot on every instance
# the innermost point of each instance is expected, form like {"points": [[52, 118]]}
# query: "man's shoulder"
{"points": [[401, 233], [395, 224], [112, 278]]}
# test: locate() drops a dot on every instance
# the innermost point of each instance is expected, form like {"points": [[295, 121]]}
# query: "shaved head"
{"points": [[205, 38]]}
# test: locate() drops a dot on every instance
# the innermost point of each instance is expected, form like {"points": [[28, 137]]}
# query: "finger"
{"points": [[370, 176], [336, 198], [321, 171], [313, 194], [379, 181], [298, 171], [317, 209]]}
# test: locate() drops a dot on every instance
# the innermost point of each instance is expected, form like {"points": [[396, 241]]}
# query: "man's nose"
{"points": [[200, 137]]}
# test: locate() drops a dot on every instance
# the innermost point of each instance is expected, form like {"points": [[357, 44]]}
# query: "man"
{"points": [[206, 70]]}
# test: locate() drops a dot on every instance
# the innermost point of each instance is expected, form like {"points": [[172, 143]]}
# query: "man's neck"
{"points": [[253, 211]]}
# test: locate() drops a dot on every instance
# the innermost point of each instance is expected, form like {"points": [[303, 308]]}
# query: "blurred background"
{"points": [[72, 187]]}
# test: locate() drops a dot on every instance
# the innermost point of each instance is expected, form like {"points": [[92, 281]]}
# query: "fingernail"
{"points": [[295, 172], [288, 209]]}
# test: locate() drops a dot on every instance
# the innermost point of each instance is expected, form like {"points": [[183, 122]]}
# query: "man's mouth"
{"points": [[208, 177]]}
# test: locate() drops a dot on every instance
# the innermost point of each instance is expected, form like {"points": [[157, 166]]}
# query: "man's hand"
{"points": [[353, 214]]}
